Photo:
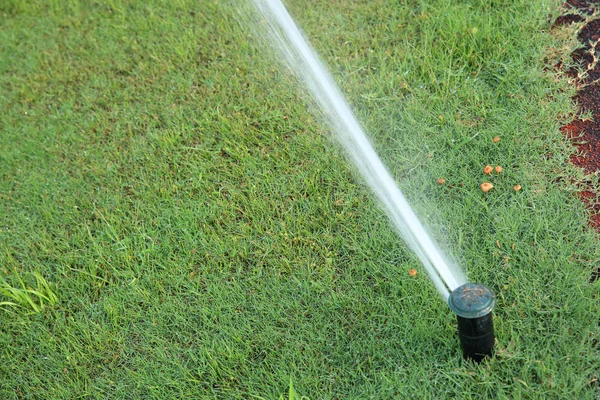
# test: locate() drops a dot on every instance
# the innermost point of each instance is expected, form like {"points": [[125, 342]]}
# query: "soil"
{"points": [[584, 131]]}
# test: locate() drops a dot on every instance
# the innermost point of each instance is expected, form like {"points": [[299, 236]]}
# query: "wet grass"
{"points": [[206, 238]]}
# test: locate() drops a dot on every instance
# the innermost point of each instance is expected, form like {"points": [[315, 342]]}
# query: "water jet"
{"points": [[286, 38], [473, 303]]}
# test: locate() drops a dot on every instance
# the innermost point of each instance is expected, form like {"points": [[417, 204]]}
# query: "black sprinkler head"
{"points": [[472, 303]]}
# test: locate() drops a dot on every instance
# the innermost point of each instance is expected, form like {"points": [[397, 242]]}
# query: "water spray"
{"points": [[473, 303], [296, 52]]}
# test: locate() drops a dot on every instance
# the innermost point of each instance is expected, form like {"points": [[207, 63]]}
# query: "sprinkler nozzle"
{"points": [[472, 303]]}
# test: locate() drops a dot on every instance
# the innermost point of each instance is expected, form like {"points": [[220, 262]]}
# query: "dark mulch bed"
{"points": [[585, 132]]}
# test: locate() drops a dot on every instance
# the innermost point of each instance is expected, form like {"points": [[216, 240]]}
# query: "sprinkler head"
{"points": [[472, 303]]}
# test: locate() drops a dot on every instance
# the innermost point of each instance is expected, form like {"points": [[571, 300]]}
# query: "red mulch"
{"points": [[584, 133]]}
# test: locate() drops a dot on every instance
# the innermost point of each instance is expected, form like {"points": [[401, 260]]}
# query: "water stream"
{"points": [[282, 33]]}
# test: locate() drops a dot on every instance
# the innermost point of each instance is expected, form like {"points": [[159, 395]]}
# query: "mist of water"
{"points": [[281, 32]]}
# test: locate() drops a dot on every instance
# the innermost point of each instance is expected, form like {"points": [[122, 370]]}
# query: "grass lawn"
{"points": [[205, 237]]}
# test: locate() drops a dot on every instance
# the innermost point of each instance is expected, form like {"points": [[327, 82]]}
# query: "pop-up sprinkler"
{"points": [[472, 303]]}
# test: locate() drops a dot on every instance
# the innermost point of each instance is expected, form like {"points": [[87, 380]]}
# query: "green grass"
{"points": [[206, 238], [28, 297]]}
